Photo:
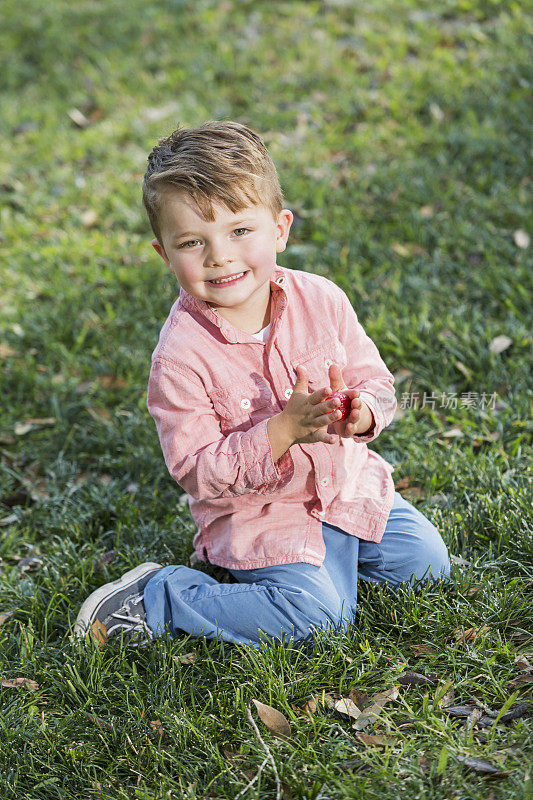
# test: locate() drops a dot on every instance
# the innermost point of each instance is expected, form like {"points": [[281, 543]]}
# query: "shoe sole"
{"points": [[89, 611]]}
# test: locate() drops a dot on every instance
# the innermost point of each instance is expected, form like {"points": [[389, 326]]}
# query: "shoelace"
{"points": [[135, 630]]}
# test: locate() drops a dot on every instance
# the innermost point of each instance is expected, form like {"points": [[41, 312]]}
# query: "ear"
{"points": [[284, 223], [160, 250]]}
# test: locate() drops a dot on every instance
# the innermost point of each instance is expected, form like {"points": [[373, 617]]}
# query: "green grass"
{"points": [[372, 111]]}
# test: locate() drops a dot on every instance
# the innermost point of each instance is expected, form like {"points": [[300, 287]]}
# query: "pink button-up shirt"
{"points": [[212, 389]]}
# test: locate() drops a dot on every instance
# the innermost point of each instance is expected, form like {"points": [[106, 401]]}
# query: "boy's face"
{"points": [[199, 252]]}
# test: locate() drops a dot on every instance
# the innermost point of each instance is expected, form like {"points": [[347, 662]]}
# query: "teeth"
{"points": [[232, 278]]}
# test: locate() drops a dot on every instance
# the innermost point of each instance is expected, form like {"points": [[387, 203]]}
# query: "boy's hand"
{"points": [[307, 416], [361, 419]]}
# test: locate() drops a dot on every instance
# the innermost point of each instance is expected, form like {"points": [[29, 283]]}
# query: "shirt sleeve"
{"points": [[205, 463], [365, 370]]}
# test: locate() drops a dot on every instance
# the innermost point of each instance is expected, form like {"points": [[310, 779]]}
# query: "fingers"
{"points": [[302, 379]]}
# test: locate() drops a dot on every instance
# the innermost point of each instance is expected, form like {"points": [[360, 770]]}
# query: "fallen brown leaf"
{"points": [[11, 683], [478, 765], [89, 218], [4, 616], [275, 721], [6, 351], [99, 634], [523, 664], [361, 699], [372, 712], [345, 707], [452, 433], [101, 723], [21, 428], [377, 740], [157, 727], [415, 679], [187, 658], [522, 680], [521, 239], [499, 344], [470, 634], [108, 381], [425, 649]]}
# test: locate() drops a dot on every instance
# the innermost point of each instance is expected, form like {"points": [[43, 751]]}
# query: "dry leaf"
{"points": [[89, 218], [470, 634], [522, 663], [103, 724], [478, 765], [499, 344], [521, 239], [403, 483], [188, 658], [377, 740], [22, 428], [372, 712], [79, 119], [519, 710], [99, 633], [11, 683], [425, 649], [6, 351], [452, 433], [157, 727], [461, 367], [273, 719], [359, 698], [436, 112], [347, 708], [29, 564], [522, 680], [426, 211], [459, 711], [4, 616], [415, 679], [105, 558], [99, 414], [112, 382]]}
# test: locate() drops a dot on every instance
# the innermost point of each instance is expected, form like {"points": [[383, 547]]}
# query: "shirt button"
{"points": [[328, 362], [324, 481], [280, 280], [287, 393], [245, 403]]}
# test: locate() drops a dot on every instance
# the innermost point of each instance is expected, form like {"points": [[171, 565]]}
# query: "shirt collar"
{"points": [[278, 285]]}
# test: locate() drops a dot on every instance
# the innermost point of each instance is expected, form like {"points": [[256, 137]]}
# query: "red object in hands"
{"points": [[345, 406]]}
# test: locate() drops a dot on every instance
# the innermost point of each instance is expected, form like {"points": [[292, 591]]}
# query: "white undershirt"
{"points": [[262, 335]]}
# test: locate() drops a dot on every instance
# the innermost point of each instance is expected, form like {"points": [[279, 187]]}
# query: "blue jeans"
{"points": [[293, 599]]}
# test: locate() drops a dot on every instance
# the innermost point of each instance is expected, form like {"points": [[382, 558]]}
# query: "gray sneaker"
{"points": [[119, 606]]}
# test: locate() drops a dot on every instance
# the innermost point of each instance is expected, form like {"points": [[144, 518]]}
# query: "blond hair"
{"points": [[220, 161]]}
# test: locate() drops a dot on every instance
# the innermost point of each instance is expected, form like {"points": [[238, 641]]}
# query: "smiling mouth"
{"points": [[230, 279]]}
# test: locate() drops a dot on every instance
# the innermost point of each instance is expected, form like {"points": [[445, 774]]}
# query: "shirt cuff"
{"points": [[266, 473]]}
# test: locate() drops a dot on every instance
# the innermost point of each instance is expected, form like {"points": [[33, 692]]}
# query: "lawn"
{"points": [[401, 132]]}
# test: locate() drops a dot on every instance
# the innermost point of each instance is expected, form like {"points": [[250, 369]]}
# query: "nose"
{"points": [[217, 254]]}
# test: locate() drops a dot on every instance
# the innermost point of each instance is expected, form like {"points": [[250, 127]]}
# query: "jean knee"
{"points": [[433, 561]]}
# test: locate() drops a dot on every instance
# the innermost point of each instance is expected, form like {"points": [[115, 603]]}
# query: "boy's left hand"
{"points": [[360, 419]]}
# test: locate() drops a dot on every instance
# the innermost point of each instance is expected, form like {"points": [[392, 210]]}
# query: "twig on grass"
{"points": [[267, 751], [251, 783]]}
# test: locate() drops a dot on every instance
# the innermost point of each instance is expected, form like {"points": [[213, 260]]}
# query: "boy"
{"points": [[285, 494]]}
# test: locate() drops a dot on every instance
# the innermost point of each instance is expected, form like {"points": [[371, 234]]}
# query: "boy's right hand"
{"points": [[307, 416]]}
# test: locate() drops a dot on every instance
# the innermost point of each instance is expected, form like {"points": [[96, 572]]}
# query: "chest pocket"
{"points": [[317, 361], [242, 408]]}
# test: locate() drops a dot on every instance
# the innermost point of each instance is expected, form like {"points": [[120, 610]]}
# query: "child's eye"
{"points": [[190, 242], [241, 229]]}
